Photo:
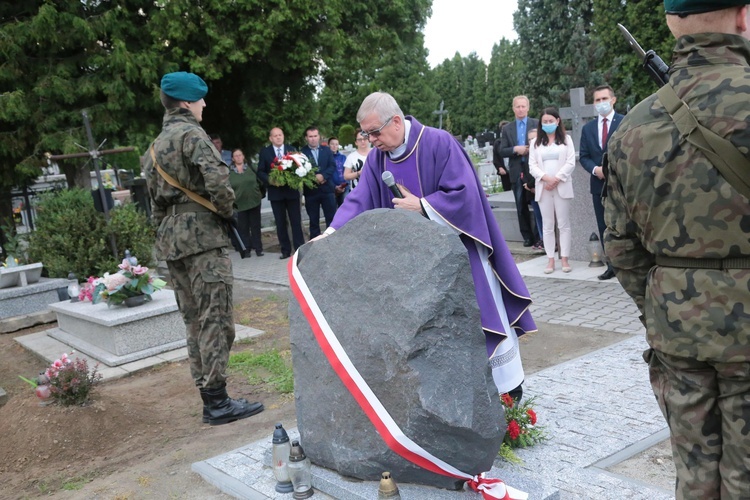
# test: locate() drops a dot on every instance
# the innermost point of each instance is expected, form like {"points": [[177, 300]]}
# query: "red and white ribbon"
{"points": [[491, 489]]}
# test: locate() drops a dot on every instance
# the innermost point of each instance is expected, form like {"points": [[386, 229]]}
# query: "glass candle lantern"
{"points": [[300, 472], [280, 452]]}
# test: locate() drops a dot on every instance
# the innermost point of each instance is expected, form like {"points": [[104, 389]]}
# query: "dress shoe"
{"points": [[527, 243], [607, 275], [260, 254], [284, 256]]}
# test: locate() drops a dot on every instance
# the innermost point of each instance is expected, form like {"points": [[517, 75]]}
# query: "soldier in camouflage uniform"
{"points": [[677, 236], [193, 240]]}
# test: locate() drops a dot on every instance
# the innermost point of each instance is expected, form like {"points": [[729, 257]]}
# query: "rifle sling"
{"points": [[735, 169], [173, 182]]}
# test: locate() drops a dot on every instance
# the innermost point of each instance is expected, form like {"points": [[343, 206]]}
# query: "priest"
{"points": [[438, 180]]}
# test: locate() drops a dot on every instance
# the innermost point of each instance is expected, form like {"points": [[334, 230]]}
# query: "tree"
{"points": [[395, 62], [265, 63], [504, 80], [623, 71], [557, 46]]}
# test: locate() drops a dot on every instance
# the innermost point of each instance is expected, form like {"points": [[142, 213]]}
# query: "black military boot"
{"points": [[222, 409], [205, 405]]}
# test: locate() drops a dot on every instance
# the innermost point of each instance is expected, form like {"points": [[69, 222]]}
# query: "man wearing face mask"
{"points": [[677, 236], [594, 138]]}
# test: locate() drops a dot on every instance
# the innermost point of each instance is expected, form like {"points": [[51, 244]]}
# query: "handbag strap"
{"points": [[709, 142], [173, 182]]}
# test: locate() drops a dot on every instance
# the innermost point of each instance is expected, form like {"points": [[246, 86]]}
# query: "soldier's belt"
{"points": [[183, 208], [685, 263]]}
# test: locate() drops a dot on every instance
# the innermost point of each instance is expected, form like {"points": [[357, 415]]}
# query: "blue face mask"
{"points": [[549, 128], [603, 108]]}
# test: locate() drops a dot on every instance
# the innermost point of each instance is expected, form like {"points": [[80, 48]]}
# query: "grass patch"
{"points": [[74, 483], [270, 367]]}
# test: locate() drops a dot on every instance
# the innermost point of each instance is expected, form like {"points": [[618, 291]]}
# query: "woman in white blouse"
{"points": [[552, 158]]}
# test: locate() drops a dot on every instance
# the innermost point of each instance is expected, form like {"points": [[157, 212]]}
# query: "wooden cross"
{"points": [[440, 112], [577, 112], [94, 154]]}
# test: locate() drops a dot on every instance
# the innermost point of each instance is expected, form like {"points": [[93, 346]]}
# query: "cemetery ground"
{"points": [[139, 435]]}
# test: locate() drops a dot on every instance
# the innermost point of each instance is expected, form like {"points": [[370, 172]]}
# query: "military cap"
{"points": [[684, 7], [184, 86]]}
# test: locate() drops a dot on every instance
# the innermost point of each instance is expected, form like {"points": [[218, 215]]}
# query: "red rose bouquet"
{"points": [[293, 170], [522, 429]]}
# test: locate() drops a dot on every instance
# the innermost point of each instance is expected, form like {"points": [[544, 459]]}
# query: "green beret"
{"points": [[698, 6], [184, 86]]}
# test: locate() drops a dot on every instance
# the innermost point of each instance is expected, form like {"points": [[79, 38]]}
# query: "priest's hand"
{"points": [[408, 202]]}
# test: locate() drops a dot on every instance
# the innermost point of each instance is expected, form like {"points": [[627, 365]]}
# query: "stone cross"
{"points": [[577, 112], [440, 112]]}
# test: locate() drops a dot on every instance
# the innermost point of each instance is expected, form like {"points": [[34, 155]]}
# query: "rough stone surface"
{"points": [[397, 291], [34, 297]]}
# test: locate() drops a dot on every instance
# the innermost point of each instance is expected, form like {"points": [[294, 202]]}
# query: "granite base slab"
{"points": [[123, 332], [34, 297], [49, 349], [246, 473]]}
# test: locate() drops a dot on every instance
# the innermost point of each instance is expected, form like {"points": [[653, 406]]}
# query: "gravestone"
{"points": [[582, 218], [409, 322], [117, 335], [23, 292]]}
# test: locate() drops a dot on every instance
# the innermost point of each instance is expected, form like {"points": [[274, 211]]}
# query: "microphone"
{"points": [[391, 183]]}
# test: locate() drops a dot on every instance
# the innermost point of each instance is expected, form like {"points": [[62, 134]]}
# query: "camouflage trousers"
{"points": [[203, 289], [707, 407]]}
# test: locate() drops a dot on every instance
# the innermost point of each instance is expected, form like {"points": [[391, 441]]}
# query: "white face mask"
{"points": [[603, 108]]}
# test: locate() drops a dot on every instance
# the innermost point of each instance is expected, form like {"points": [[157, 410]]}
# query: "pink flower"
{"points": [[57, 363], [139, 270]]}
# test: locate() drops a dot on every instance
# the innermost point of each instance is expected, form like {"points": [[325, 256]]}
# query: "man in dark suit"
{"points": [[322, 196], [284, 200], [594, 137], [498, 160], [514, 146]]}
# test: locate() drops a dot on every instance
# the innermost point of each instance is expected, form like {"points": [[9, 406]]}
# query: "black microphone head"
{"points": [[388, 179]]}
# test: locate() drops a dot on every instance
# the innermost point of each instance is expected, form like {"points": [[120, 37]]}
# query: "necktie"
{"points": [[522, 134], [315, 154], [278, 153], [604, 133]]}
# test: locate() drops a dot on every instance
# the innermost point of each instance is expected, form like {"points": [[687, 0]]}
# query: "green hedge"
{"points": [[346, 135], [71, 236]]}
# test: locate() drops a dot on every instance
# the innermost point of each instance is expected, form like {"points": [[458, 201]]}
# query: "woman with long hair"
{"points": [[552, 159]]}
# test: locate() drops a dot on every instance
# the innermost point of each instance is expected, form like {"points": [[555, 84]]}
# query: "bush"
{"points": [[346, 135], [71, 236]]}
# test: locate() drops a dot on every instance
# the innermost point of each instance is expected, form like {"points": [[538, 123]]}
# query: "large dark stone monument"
{"points": [[396, 289]]}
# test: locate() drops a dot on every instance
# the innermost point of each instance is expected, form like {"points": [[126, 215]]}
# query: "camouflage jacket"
{"points": [[184, 151], [666, 199]]}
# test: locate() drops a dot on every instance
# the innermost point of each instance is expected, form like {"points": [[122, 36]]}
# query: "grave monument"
{"points": [[406, 315]]}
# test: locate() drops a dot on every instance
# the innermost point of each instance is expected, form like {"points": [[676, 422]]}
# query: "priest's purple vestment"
{"points": [[436, 169]]}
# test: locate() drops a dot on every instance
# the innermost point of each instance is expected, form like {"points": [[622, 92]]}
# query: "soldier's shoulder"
{"points": [[646, 113]]}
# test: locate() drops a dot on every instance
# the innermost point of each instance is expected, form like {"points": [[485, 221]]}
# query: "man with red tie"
{"points": [[594, 138]]}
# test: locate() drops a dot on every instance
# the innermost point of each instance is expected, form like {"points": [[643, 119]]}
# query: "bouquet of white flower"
{"points": [[293, 170]]}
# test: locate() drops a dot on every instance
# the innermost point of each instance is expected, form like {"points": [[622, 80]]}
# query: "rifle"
{"points": [[656, 68]]}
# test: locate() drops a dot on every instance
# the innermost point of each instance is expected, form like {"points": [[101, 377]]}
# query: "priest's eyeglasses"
{"points": [[376, 133]]}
